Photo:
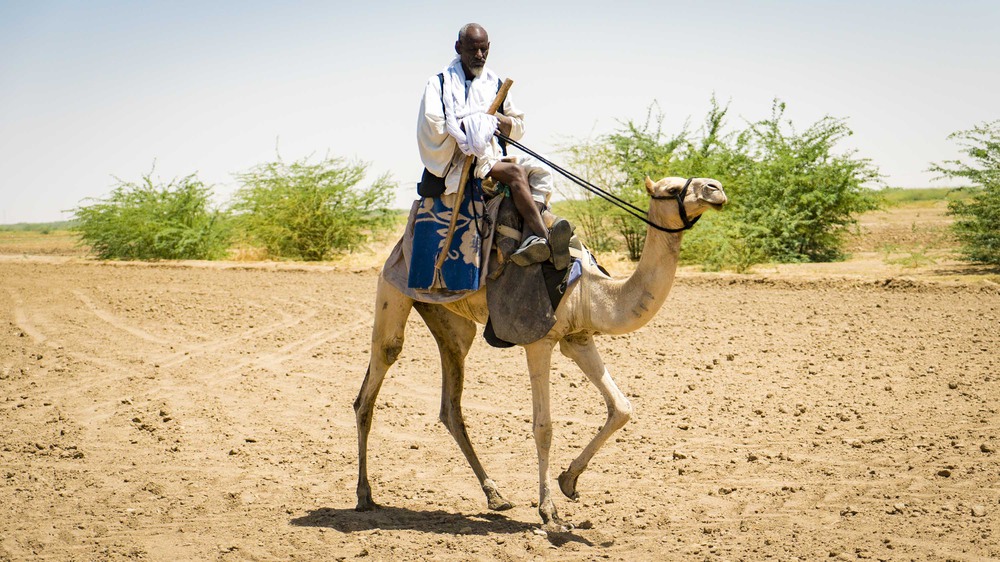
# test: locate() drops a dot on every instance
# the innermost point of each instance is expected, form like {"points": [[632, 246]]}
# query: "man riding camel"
{"points": [[453, 124]]}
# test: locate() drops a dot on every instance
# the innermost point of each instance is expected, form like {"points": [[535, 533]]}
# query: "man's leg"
{"points": [[552, 242], [514, 176]]}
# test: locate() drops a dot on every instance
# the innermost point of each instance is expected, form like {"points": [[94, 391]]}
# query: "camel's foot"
{"points": [[366, 503], [555, 524], [567, 483], [557, 527], [494, 500], [499, 504]]}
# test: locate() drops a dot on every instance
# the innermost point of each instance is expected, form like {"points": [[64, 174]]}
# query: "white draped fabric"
{"points": [[465, 105]]}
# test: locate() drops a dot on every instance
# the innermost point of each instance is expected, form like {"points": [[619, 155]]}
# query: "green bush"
{"points": [[308, 211], [792, 197], [619, 164], [797, 197], [148, 221], [719, 243], [589, 216], [978, 217]]}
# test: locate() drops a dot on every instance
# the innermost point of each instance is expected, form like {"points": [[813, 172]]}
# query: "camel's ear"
{"points": [[649, 186]]}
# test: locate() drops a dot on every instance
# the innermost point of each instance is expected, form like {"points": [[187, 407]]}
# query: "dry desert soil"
{"points": [[203, 411]]}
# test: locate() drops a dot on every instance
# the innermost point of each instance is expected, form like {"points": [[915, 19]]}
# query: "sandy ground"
{"points": [[203, 412]]}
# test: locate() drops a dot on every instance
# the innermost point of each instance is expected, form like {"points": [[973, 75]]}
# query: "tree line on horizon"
{"points": [[793, 198]]}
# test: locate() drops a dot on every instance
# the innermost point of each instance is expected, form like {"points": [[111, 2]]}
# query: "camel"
{"points": [[595, 304]]}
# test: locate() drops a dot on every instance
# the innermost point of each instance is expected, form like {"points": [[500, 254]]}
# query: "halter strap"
{"points": [[679, 197]]}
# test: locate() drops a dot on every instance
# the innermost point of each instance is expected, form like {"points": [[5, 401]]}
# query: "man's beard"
{"points": [[477, 71]]}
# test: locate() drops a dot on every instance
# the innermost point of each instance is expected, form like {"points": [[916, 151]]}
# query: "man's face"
{"points": [[473, 51]]}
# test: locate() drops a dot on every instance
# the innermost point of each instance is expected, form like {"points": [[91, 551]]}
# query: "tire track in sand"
{"points": [[117, 322], [192, 351], [24, 323], [294, 350]]}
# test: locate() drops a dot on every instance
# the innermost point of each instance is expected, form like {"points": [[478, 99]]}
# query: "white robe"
{"points": [[439, 151]]}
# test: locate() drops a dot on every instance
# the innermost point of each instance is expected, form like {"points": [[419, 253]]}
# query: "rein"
{"points": [[610, 197]]}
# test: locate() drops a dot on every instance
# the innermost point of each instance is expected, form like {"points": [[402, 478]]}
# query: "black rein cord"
{"points": [[610, 197]]}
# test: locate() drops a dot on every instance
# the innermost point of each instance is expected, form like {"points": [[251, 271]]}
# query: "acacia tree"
{"points": [[150, 220], [307, 211], [792, 195], [798, 196], [978, 224]]}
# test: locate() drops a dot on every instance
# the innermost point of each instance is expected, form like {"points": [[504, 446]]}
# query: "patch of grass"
{"points": [[41, 242], [907, 195], [914, 258], [42, 227]]}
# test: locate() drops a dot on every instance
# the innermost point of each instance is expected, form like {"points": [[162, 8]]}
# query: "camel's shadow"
{"points": [[429, 521]]}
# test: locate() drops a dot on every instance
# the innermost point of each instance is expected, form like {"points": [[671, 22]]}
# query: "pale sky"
{"points": [[95, 89]]}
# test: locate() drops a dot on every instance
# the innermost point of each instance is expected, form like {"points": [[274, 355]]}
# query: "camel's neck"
{"points": [[637, 299]]}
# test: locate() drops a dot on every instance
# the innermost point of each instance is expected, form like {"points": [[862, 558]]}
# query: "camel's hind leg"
{"points": [[583, 351], [454, 336], [391, 311]]}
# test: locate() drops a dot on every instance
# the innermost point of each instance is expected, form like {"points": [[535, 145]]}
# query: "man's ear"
{"points": [[458, 47]]}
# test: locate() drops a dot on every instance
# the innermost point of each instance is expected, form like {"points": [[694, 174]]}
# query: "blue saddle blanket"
{"points": [[463, 267]]}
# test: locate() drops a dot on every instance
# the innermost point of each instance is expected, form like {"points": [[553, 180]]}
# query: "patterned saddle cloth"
{"points": [[463, 266]]}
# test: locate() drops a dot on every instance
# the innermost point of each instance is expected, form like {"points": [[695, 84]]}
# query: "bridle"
{"points": [[612, 198], [679, 197]]}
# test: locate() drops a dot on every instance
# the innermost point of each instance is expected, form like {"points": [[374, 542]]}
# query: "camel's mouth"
{"points": [[714, 197]]}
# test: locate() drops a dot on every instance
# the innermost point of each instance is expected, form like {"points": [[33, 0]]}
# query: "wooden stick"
{"points": [[497, 102]]}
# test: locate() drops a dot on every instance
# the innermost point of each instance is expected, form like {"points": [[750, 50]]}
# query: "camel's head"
{"points": [[678, 202]]}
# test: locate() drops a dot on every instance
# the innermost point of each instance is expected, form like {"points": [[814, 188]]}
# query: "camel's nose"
{"points": [[714, 195]]}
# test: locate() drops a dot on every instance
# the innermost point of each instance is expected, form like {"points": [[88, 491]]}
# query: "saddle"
{"points": [[521, 300]]}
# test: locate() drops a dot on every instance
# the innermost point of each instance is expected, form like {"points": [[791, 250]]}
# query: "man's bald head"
{"points": [[473, 46], [473, 28]]}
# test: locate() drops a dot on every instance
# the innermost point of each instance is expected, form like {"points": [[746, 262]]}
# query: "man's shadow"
{"points": [[426, 521]]}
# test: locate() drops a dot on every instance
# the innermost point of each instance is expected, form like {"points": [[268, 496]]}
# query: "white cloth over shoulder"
{"points": [[465, 108]]}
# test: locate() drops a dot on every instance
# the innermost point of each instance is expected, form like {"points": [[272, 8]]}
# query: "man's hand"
{"points": [[504, 124]]}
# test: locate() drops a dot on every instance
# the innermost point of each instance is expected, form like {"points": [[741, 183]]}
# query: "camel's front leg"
{"points": [[539, 356], [583, 351]]}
